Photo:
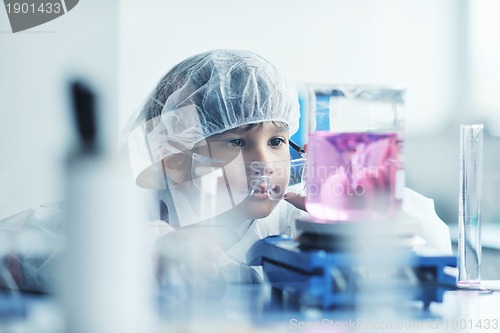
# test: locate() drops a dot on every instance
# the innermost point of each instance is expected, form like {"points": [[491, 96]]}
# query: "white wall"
{"points": [[485, 61], [36, 127], [336, 41]]}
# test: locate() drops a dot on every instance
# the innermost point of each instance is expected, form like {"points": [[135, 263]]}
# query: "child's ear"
{"points": [[177, 167]]}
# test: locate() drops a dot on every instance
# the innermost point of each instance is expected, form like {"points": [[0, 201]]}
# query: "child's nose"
{"points": [[260, 161]]}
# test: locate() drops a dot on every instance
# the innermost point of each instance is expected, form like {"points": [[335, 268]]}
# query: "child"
{"points": [[213, 139]]}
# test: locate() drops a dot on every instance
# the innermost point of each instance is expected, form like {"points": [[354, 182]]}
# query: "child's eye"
{"points": [[275, 142], [236, 142]]}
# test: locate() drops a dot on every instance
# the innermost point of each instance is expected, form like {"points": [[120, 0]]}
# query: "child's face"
{"points": [[258, 156]]}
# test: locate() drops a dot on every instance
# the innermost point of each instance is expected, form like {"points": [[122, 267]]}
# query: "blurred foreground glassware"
{"points": [[355, 168], [469, 219]]}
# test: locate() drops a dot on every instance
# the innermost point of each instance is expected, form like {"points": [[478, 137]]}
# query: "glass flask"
{"points": [[355, 169]]}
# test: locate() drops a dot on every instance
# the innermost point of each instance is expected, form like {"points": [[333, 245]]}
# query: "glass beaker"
{"points": [[355, 168]]}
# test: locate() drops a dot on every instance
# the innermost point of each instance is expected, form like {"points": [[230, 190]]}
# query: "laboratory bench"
{"points": [[262, 308], [256, 308]]}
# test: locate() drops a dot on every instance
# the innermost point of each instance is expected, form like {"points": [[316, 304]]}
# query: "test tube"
{"points": [[469, 220]]}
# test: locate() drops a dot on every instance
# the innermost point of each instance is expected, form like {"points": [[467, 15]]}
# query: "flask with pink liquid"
{"points": [[355, 169]]}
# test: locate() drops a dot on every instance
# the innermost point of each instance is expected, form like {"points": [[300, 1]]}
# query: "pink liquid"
{"points": [[354, 176]]}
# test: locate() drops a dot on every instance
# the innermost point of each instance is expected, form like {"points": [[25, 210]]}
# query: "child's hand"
{"points": [[298, 200], [187, 262]]}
